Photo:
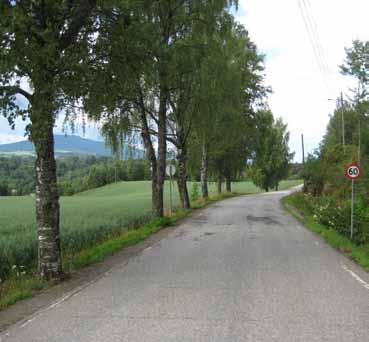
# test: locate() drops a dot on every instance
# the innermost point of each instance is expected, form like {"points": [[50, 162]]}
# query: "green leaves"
{"points": [[357, 65], [270, 163]]}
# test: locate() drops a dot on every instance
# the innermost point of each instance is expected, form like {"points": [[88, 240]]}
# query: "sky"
{"points": [[300, 91]]}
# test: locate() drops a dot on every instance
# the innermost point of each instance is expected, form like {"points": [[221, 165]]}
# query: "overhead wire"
{"points": [[319, 55], [314, 27]]}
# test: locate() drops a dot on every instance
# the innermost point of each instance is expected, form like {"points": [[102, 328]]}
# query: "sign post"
{"points": [[170, 170], [352, 172]]}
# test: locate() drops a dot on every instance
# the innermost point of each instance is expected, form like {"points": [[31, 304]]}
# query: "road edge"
{"points": [[354, 253]]}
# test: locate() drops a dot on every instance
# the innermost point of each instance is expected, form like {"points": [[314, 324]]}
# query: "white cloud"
{"points": [[10, 138], [88, 129], [300, 94]]}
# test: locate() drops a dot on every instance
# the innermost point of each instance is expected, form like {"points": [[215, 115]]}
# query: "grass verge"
{"points": [[295, 206], [20, 286]]}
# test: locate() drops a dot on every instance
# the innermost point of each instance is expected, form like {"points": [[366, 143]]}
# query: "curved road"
{"points": [[240, 270]]}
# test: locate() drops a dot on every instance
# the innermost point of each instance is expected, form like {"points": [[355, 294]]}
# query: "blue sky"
{"points": [[8, 135]]}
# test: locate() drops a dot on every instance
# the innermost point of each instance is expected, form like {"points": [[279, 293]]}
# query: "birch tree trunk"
{"points": [[219, 184], [228, 184], [204, 172], [47, 206], [162, 152], [150, 156], [182, 179]]}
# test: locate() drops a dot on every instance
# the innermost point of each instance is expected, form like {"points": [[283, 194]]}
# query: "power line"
{"points": [[311, 39], [314, 27], [312, 42]]}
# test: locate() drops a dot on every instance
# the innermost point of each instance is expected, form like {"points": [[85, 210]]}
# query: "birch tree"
{"points": [[42, 44]]}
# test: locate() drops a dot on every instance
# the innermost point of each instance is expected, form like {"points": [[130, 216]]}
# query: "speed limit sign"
{"points": [[352, 171]]}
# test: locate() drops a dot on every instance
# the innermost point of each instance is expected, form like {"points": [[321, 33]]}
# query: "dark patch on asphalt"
{"points": [[208, 233], [222, 224], [199, 220], [263, 219], [179, 234]]}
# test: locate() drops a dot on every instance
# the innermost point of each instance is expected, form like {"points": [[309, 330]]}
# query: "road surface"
{"points": [[240, 270]]}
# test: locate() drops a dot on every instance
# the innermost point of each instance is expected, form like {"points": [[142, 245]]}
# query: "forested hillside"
{"points": [[75, 174], [66, 145]]}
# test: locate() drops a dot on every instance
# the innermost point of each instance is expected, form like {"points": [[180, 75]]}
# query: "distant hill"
{"points": [[70, 145]]}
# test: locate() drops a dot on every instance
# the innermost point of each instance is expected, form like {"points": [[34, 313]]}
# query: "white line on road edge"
{"points": [[4, 336], [27, 322], [54, 305], [76, 291], [316, 242], [354, 275]]}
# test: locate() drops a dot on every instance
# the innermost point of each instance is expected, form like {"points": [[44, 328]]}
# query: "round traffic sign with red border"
{"points": [[352, 171]]}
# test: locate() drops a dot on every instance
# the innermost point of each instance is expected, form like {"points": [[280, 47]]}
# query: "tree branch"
{"points": [[13, 90], [80, 17]]}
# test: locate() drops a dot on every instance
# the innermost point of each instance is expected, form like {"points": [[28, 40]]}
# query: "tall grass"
{"points": [[86, 219]]}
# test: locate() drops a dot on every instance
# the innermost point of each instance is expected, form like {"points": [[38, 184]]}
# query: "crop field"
{"points": [[86, 218]]}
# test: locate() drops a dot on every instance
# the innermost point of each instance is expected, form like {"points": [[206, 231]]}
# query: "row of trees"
{"points": [[346, 141], [271, 157], [180, 74], [101, 174], [74, 173], [347, 136]]}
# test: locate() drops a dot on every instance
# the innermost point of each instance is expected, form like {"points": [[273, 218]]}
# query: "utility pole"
{"points": [[359, 123], [359, 142], [303, 157], [352, 210], [303, 149], [343, 123]]}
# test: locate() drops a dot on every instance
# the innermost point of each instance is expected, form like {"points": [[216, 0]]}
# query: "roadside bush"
{"points": [[195, 194], [304, 202], [336, 214]]}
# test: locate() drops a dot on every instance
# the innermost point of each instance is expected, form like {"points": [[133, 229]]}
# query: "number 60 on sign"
{"points": [[352, 171]]}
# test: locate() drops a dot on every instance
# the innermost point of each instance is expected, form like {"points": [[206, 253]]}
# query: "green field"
{"points": [[86, 218]]}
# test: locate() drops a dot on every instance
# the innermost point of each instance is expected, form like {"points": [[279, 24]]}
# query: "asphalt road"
{"points": [[240, 270]]}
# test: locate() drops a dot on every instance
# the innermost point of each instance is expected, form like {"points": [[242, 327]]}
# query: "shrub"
{"points": [[335, 214], [195, 194]]}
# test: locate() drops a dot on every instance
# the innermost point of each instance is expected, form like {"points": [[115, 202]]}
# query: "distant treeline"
{"points": [[75, 174]]}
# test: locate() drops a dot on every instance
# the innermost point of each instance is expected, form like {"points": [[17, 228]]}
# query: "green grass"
{"points": [[295, 205], [86, 218], [19, 286], [94, 224]]}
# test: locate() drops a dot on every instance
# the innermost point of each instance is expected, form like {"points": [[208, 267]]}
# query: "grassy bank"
{"points": [[300, 208]]}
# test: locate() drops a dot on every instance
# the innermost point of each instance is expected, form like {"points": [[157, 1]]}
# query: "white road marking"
{"points": [[52, 306], [355, 276], [317, 243], [298, 227], [27, 322], [63, 299], [6, 335]]}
